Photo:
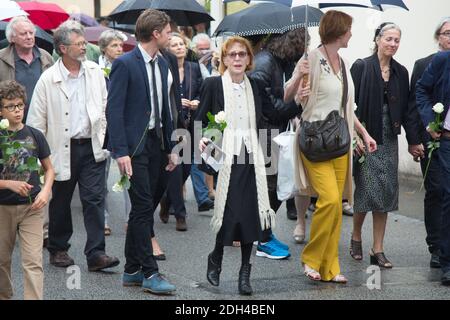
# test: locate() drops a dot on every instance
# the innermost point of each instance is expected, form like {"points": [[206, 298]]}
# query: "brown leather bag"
{"points": [[330, 138]]}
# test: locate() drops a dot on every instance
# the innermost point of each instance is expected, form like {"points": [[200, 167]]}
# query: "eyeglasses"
{"points": [[445, 34], [240, 54], [12, 108], [79, 44]]}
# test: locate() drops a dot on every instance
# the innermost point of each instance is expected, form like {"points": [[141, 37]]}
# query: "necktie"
{"points": [[155, 100]]}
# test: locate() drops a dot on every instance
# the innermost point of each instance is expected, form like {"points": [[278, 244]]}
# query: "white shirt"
{"points": [[447, 121], [80, 125], [147, 60], [329, 93], [242, 121]]}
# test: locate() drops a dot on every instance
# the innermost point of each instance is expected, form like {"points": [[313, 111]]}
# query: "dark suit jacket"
{"points": [[369, 96], [192, 81], [434, 87], [175, 98], [129, 105], [419, 68]]}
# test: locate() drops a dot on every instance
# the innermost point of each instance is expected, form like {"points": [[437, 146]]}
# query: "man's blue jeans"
{"points": [[444, 153], [199, 184]]}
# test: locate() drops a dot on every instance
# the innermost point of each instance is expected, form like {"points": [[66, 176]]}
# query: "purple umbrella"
{"points": [[84, 19]]}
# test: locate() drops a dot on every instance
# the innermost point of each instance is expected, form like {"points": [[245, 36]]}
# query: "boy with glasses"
{"points": [[21, 198]]}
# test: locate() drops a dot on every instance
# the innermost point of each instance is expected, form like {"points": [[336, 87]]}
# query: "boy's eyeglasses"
{"points": [[12, 108]]}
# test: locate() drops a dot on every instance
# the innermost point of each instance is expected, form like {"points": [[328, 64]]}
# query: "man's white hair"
{"points": [[10, 28]]}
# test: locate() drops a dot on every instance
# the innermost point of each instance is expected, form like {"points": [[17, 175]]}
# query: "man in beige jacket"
{"points": [[68, 106], [22, 60]]}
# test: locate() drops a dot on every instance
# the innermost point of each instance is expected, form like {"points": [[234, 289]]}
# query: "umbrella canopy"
{"points": [[375, 4], [43, 39], [91, 34], [10, 9], [84, 19], [130, 28], [184, 13], [265, 18], [45, 15]]}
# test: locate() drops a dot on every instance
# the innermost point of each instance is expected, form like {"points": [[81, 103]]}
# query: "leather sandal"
{"points": [[356, 249], [311, 273], [379, 259], [339, 279]]}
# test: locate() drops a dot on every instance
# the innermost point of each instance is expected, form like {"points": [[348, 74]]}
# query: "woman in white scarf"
{"points": [[241, 209]]}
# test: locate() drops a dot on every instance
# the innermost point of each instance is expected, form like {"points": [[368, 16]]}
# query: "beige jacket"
{"points": [[301, 176], [7, 65], [50, 113]]}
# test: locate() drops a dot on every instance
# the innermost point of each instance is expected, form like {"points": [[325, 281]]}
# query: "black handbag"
{"points": [[330, 138]]}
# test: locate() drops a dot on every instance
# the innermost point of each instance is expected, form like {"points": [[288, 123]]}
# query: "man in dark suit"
{"points": [[140, 127], [433, 196], [432, 88]]}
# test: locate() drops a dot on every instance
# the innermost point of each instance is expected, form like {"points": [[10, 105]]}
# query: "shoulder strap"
{"points": [[345, 88]]}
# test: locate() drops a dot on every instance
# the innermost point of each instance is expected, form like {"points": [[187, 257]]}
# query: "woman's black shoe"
{"points": [[379, 259], [213, 272], [244, 280]]}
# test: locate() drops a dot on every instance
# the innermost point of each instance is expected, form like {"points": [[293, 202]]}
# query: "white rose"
{"points": [[4, 124], [117, 187], [220, 117], [438, 108], [355, 107]]}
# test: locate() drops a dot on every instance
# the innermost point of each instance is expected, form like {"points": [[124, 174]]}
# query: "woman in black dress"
{"points": [[242, 209], [381, 94]]}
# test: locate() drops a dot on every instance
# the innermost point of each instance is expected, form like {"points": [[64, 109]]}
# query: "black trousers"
{"points": [[433, 200], [90, 177], [144, 182], [174, 191]]}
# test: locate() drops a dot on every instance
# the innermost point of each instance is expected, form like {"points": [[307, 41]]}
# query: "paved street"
{"points": [[186, 253]]}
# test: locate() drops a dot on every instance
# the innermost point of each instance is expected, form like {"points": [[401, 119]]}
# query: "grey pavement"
{"points": [[411, 277]]}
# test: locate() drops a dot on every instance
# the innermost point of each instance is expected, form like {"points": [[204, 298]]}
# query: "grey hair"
{"points": [[439, 27], [108, 36], [380, 32], [199, 37], [61, 36], [10, 32]]}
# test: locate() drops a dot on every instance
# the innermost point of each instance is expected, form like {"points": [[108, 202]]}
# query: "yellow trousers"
{"points": [[328, 180]]}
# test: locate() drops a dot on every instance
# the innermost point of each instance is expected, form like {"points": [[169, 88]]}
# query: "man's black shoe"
{"points": [[445, 279], [207, 205]]}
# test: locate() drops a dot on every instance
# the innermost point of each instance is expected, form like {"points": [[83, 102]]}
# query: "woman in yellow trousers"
{"points": [[330, 180]]}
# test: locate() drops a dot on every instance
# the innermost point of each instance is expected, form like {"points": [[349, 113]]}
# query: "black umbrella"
{"points": [[43, 39], [183, 12], [267, 18]]}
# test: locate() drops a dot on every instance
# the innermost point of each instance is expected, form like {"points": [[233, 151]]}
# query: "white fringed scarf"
{"points": [[266, 214]]}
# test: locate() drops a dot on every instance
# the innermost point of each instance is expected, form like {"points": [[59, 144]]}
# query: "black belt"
{"points": [[80, 141]]}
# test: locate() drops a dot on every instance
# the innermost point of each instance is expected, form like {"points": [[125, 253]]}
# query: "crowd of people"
{"points": [[144, 108]]}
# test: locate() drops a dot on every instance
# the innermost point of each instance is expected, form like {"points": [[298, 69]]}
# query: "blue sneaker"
{"points": [[278, 243], [134, 279], [158, 285], [271, 251]]}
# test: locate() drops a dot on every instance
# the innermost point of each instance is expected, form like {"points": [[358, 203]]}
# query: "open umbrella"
{"points": [[10, 9], [184, 13], [43, 39], [267, 18], [84, 19], [45, 15], [91, 34]]}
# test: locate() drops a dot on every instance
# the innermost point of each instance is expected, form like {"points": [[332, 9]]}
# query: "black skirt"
{"points": [[241, 215]]}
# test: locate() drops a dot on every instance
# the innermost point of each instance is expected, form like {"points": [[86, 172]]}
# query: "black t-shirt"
{"points": [[27, 136]]}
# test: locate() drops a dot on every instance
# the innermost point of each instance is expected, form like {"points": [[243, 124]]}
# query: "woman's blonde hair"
{"points": [[228, 44]]}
